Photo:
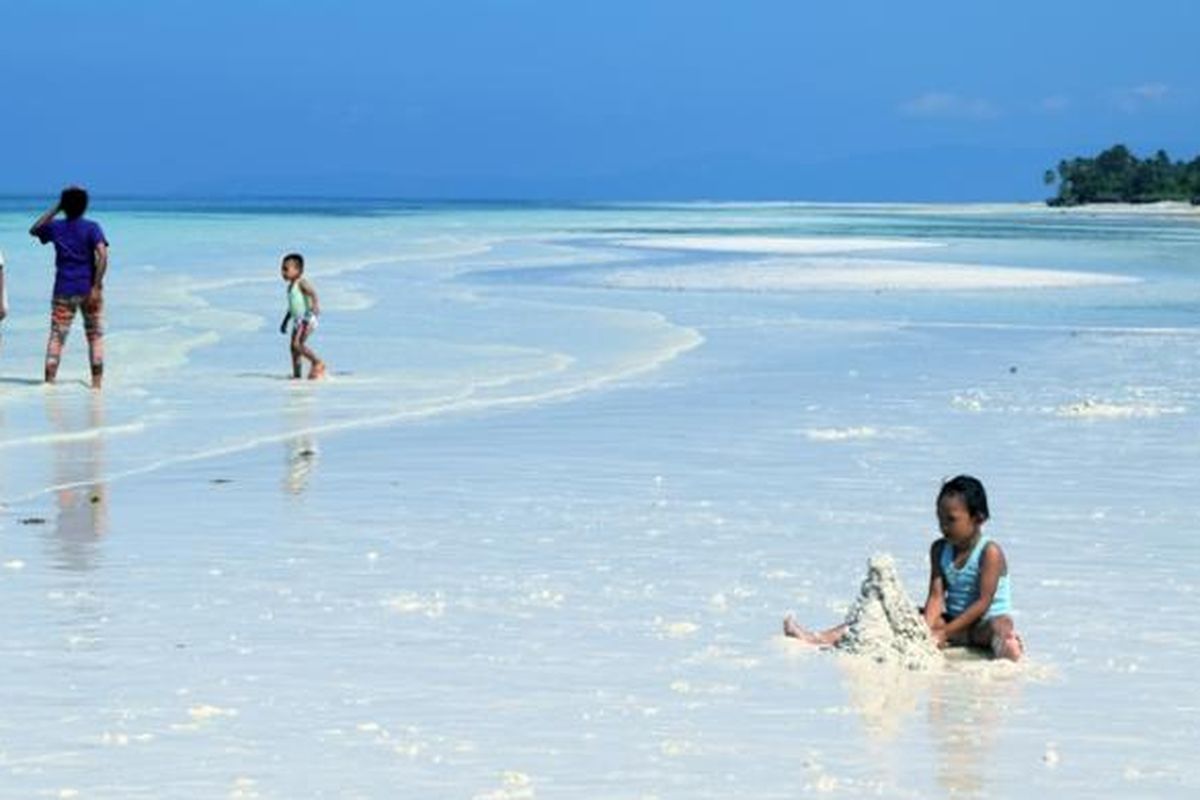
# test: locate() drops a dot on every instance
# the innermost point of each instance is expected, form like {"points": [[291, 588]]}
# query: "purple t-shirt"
{"points": [[75, 242]]}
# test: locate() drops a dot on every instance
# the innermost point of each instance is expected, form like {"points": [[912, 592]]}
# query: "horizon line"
{"points": [[516, 200]]}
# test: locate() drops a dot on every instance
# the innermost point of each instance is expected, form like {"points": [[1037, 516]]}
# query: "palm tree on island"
{"points": [[1118, 176]]}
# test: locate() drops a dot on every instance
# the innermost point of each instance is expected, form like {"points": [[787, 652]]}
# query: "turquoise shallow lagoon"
{"points": [[534, 537]]}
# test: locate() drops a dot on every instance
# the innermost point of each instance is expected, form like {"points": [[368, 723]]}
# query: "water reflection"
{"points": [[967, 702], [301, 447], [883, 697], [966, 711], [80, 494]]}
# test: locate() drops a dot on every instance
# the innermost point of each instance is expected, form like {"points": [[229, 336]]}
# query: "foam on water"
{"points": [[841, 434], [1099, 409]]}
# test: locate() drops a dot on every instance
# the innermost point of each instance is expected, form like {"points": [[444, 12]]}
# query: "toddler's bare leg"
{"points": [[296, 352], [301, 343], [1000, 636]]}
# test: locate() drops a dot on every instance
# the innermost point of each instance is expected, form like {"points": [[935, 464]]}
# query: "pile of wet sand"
{"points": [[885, 625]]}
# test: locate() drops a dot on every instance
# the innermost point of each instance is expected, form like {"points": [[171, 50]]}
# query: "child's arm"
{"points": [[314, 304], [44, 219], [991, 566], [283, 325], [935, 604], [100, 260]]}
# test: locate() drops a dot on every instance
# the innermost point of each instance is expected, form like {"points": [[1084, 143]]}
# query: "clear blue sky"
{"points": [[638, 99]]}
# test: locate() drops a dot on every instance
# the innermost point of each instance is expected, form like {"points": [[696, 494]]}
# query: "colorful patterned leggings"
{"points": [[62, 314]]}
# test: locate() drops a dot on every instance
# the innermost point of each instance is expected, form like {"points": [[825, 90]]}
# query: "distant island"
{"points": [[1118, 176]]}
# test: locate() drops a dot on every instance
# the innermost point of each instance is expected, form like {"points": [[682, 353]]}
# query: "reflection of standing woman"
{"points": [[80, 493], [81, 259]]}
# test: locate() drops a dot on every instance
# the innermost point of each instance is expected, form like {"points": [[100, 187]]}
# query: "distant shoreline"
{"points": [[1164, 208]]}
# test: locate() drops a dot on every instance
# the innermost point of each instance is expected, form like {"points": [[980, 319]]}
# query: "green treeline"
{"points": [[1118, 176]]}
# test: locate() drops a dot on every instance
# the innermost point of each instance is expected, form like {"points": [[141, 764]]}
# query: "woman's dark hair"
{"points": [[74, 202], [299, 259], [972, 494]]}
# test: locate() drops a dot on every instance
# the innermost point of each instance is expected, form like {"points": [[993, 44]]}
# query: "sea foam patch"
{"points": [[841, 434], [1101, 409]]}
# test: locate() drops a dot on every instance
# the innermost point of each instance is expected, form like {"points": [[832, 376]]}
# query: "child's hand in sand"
{"points": [[939, 637]]}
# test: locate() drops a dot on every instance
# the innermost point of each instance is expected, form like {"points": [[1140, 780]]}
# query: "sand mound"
{"points": [[884, 623]]}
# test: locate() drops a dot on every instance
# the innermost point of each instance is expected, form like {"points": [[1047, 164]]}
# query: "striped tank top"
{"points": [[962, 583]]}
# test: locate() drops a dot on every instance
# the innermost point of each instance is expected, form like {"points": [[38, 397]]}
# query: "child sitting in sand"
{"points": [[303, 309], [969, 598]]}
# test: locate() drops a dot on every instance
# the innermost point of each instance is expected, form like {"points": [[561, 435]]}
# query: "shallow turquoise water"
{"points": [[536, 535]]}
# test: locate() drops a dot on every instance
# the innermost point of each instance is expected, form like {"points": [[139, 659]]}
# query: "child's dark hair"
{"points": [[971, 491], [297, 259], [74, 201]]}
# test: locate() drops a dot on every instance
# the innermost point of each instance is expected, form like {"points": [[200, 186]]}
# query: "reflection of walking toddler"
{"points": [[3, 290], [303, 309]]}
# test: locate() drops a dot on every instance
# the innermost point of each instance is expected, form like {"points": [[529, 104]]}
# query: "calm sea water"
{"points": [[535, 536]]}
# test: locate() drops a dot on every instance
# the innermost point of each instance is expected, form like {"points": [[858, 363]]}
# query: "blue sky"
{"points": [[573, 99]]}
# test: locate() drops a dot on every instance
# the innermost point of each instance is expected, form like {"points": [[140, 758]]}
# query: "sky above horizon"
{"points": [[549, 99]]}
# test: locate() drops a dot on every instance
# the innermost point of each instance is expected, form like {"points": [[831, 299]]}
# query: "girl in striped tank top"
{"points": [[970, 599]]}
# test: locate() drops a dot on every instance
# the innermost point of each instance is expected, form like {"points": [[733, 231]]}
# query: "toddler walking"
{"points": [[303, 309]]}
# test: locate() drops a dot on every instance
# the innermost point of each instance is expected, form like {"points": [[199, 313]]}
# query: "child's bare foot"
{"points": [[1008, 646], [797, 631], [792, 628], [317, 372], [828, 638]]}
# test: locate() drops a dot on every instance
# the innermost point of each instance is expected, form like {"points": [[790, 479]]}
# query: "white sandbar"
{"points": [[853, 274], [808, 245]]}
